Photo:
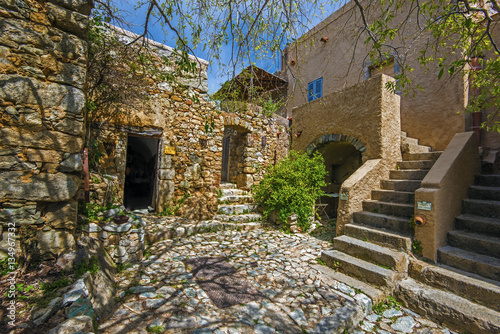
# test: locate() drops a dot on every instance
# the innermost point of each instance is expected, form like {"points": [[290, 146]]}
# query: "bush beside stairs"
{"points": [[375, 254]]}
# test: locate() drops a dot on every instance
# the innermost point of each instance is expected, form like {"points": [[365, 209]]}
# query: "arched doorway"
{"points": [[342, 155], [233, 153], [237, 138]]}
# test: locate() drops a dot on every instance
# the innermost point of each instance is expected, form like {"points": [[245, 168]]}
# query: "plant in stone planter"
{"points": [[120, 219], [292, 185]]}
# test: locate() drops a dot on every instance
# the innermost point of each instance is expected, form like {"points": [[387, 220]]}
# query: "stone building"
{"points": [[173, 150], [165, 153], [326, 60], [43, 57]]}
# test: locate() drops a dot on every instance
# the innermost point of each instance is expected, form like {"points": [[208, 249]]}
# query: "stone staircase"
{"points": [[474, 246], [463, 289], [236, 205], [411, 145], [376, 244]]}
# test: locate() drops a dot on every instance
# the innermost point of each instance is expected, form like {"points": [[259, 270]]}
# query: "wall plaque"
{"points": [[424, 206], [169, 150]]}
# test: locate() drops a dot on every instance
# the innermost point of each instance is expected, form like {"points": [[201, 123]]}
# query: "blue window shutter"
{"points": [[310, 91], [319, 88]]}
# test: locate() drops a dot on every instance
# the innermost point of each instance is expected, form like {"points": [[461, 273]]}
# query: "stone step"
{"points": [[415, 164], [328, 275], [392, 196], [409, 140], [414, 148], [472, 287], [387, 222], [226, 185], [484, 265], [373, 253], [233, 192], [404, 134], [407, 174], [387, 208], [245, 218], [379, 237], [237, 209], [363, 270], [411, 145], [400, 185], [236, 199], [484, 193], [487, 180], [421, 156], [477, 243], [481, 225], [448, 308], [481, 208]]}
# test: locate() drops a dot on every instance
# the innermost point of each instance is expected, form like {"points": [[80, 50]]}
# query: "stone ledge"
{"points": [[186, 230]]}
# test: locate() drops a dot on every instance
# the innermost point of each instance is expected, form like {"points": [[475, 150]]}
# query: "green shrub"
{"points": [[292, 186], [49, 287]]}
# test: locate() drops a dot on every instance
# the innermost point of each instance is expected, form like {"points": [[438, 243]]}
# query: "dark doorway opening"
{"points": [[233, 149], [225, 158], [342, 159], [140, 173]]}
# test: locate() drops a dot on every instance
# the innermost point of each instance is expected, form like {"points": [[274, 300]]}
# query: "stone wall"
{"points": [[43, 56], [256, 142], [190, 130], [365, 116]]}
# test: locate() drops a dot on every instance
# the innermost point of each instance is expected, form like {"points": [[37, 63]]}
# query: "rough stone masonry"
{"points": [[43, 56]]}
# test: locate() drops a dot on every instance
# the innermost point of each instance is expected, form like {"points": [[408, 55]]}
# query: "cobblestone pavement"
{"points": [[161, 295]]}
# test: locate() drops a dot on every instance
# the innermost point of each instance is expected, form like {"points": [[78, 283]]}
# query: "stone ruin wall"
{"points": [[249, 152], [196, 166], [175, 113], [43, 56], [43, 52]]}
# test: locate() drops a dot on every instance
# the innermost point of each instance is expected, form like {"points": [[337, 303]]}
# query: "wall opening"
{"points": [[141, 172], [233, 149], [342, 159]]}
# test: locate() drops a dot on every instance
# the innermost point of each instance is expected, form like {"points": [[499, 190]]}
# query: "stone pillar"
{"points": [[43, 52]]}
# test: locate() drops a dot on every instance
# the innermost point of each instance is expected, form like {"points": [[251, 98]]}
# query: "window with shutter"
{"points": [[310, 92], [315, 90]]}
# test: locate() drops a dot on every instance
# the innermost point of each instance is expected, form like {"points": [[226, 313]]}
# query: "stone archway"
{"points": [[238, 124], [325, 139], [342, 155]]}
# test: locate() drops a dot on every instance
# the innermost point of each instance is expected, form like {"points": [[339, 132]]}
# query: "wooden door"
{"points": [[225, 158]]}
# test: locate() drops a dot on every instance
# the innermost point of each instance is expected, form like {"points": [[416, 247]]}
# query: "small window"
{"points": [[315, 90]]}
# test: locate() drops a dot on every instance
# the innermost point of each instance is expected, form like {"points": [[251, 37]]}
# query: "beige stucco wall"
{"points": [[366, 112], [445, 186], [430, 115]]}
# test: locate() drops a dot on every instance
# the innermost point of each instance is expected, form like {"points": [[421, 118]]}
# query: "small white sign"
{"points": [[424, 206]]}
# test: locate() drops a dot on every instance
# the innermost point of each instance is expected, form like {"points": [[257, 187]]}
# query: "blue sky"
{"points": [[215, 78]]}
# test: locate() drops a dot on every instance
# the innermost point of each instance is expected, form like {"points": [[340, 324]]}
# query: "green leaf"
{"points": [[441, 72]]}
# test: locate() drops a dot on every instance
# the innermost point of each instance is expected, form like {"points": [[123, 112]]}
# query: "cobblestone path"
{"points": [[160, 294]]}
